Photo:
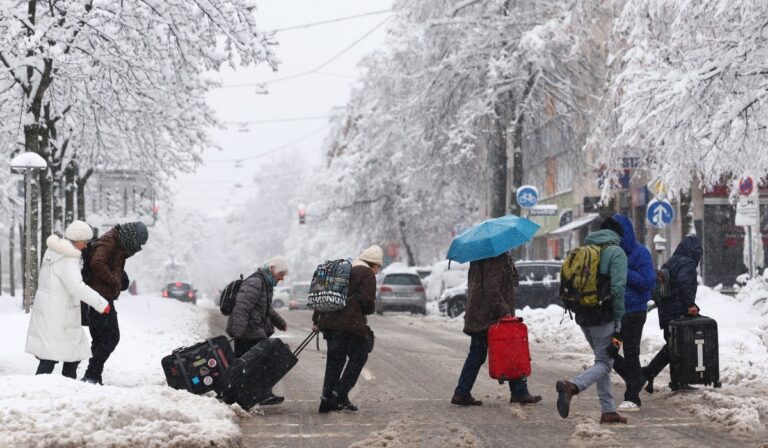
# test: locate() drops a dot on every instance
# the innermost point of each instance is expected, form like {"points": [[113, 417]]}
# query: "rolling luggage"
{"points": [[508, 354], [199, 367], [252, 376], [693, 352]]}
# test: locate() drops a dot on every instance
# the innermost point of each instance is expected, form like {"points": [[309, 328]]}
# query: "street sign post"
{"points": [[748, 214], [660, 213], [527, 196]]}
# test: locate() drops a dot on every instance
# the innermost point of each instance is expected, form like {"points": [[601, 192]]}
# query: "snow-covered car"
{"points": [[453, 301], [442, 278], [281, 296], [399, 288], [539, 288]]}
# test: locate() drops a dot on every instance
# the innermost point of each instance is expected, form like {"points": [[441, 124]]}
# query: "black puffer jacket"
{"points": [[253, 316], [682, 272]]}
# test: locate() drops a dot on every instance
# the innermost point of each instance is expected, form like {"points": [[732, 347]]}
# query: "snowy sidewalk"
{"points": [[135, 408]]}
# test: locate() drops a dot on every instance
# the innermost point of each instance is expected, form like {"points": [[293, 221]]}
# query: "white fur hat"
{"points": [[279, 264], [373, 254], [78, 231]]}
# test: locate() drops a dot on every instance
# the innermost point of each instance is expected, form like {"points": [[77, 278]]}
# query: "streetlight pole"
{"points": [[29, 162]]}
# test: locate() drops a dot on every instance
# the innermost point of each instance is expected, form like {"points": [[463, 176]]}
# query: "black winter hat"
{"points": [[611, 223]]}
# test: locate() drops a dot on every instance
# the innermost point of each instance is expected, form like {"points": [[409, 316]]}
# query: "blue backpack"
{"points": [[330, 284]]}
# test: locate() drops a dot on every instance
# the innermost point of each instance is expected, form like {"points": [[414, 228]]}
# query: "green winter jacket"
{"points": [[613, 262]]}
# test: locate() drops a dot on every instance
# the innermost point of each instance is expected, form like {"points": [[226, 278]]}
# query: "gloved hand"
{"points": [[615, 345], [693, 310], [106, 310]]}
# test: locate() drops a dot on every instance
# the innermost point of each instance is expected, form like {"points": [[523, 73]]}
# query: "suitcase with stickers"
{"points": [[198, 368]]}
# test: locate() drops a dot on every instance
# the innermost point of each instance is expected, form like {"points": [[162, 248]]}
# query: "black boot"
{"points": [[329, 405], [347, 405], [649, 379]]}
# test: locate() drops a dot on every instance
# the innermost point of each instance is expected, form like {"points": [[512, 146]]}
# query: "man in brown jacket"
{"points": [[104, 273], [491, 296], [347, 334]]}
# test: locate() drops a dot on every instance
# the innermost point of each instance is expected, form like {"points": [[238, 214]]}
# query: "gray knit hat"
{"points": [[132, 236]]}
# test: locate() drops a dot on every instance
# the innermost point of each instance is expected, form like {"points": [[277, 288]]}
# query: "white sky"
{"points": [[212, 188]]}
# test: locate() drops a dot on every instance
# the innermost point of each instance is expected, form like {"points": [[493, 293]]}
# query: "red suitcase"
{"points": [[508, 354]]}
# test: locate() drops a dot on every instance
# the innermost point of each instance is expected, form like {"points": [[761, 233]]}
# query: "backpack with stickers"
{"points": [[330, 285], [582, 286]]}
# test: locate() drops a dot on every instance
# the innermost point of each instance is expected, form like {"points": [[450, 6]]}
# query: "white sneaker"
{"points": [[628, 406]]}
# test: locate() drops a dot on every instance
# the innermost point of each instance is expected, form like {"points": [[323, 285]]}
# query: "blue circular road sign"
{"points": [[660, 213], [527, 196]]}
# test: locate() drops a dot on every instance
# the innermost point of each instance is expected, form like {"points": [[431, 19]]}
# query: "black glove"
{"points": [[125, 282], [615, 345]]}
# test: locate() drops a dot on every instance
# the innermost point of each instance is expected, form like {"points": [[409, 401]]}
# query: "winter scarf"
{"points": [[268, 276], [132, 236]]}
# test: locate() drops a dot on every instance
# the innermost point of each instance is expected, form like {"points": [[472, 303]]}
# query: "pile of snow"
{"points": [[422, 431], [134, 408]]}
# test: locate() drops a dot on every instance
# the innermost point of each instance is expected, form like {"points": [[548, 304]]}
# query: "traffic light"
{"points": [[302, 216]]}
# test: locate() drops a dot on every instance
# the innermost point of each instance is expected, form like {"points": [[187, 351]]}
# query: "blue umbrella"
{"points": [[491, 238]]}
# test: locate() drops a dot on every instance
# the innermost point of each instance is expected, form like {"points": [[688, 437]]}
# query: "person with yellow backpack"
{"points": [[592, 283]]}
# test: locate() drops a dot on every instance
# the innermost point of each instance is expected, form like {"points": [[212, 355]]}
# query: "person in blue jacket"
{"points": [[683, 280], [641, 280]]}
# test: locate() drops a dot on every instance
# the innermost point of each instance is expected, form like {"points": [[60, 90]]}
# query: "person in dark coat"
{"points": [[491, 296], [106, 274], [253, 319], [682, 267], [346, 333], [641, 279]]}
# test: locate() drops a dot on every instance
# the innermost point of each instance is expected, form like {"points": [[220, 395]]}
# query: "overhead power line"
{"points": [[316, 69], [329, 21], [273, 150], [279, 120]]}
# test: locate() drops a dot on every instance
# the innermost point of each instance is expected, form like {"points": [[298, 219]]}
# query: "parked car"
{"points": [[299, 296], [180, 291], [539, 288], [400, 290], [281, 296]]}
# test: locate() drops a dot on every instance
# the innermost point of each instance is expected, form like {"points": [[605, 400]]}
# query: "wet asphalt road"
{"points": [[404, 398]]}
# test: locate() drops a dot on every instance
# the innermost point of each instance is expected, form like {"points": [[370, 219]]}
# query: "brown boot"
{"points": [[565, 391], [465, 401], [525, 399], [612, 417]]}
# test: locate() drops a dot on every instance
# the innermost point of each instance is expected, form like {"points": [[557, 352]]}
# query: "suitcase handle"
{"points": [[304, 343], [510, 320]]}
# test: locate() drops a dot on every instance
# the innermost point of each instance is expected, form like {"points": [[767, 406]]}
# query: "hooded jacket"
{"points": [[54, 327], [684, 282], [253, 316], [361, 302], [641, 275], [613, 262], [491, 292], [107, 264]]}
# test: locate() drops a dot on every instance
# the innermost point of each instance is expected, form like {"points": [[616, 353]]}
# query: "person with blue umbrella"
{"points": [[491, 295]]}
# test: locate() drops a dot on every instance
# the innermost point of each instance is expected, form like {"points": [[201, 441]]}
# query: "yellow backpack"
{"points": [[581, 284]]}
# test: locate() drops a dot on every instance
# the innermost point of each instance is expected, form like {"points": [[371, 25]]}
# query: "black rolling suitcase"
{"points": [[253, 375], [199, 367], [693, 352]]}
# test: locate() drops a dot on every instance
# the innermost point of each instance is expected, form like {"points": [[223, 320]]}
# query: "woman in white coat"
{"points": [[55, 333]]}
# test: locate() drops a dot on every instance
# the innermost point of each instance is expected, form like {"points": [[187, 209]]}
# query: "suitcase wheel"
{"points": [[718, 385]]}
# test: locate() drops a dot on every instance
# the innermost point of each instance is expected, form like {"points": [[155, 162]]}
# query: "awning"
{"points": [[573, 225]]}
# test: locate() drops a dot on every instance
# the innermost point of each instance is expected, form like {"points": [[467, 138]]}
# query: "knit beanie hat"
{"points": [[132, 236], [611, 223], [373, 255], [78, 231]]}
